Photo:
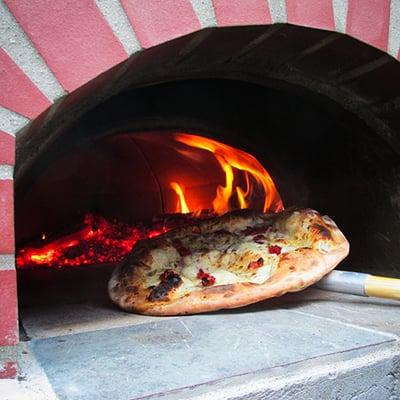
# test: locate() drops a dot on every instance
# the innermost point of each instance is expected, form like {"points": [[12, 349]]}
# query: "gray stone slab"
{"points": [[67, 319], [61, 319], [369, 312], [136, 361]]}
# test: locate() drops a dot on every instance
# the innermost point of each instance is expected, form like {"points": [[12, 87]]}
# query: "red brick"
{"points": [[7, 148], [238, 12], [8, 307], [72, 36], [6, 217], [368, 21], [17, 91], [8, 369], [157, 21], [313, 13]]}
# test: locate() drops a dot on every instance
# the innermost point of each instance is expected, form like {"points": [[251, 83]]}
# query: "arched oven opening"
{"points": [[118, 168]]}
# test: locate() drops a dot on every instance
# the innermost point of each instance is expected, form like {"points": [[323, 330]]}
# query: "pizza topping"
{"points": [[170, 280], [275, 250], [255, 230], [222, 232], [256, 264], [206, 278], [168, 275], [196, 229], [260, 239], [180, 248], [322, 231]]}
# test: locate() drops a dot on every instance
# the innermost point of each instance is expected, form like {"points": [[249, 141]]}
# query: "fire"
{"points": [[243, 194], [100, 241], [232, 160], [181, 206]]}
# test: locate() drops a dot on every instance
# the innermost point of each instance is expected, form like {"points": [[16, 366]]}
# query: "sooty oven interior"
{"points": [[309, 105]]}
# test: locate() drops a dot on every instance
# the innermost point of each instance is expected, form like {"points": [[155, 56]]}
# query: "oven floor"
{"points": [[309, 345]]}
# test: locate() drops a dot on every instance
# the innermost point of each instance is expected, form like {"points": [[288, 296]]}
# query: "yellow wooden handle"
{"points": [[379, 286]]}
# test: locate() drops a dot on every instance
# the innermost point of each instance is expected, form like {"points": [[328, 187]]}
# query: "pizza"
{"points": [[229, 261]]}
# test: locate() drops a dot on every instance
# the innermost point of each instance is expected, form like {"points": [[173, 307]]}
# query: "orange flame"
{"points": [[241, 194], [231, 159], [181, 205]]}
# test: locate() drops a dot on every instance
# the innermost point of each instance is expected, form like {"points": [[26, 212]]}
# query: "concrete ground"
{"points": [[308, 345]]}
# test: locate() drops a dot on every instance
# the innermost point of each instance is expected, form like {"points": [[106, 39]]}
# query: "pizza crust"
{"points": [[295, 270]]}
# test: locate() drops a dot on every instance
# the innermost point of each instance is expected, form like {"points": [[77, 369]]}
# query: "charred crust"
{"points": [[170, 280], [322, 231], [132, 289]]}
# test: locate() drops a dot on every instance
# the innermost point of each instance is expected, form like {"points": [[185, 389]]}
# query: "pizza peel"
{"points": [[360, 284]]}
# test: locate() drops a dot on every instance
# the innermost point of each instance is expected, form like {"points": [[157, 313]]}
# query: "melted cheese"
{"points": [[190, 272], [226, 256], [264, 273], [225, 277]]}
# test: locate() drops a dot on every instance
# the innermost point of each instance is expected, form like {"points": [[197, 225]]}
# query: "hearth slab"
{"points": [[65, 319], [170, 354], [49, 320]]}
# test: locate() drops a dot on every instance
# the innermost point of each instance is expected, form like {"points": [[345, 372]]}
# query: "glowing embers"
{"points": [[98, 242]]}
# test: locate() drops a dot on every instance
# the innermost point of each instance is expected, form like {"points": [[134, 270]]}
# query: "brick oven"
{"points": [[310, 88]]}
